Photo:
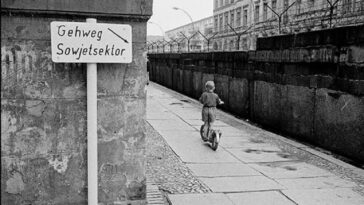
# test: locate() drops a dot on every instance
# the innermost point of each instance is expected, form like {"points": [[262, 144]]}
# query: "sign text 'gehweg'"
{"points": [[91, 42]]}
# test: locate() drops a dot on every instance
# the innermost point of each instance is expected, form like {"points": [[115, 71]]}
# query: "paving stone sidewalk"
{"points": [[166, 173], [251, 166]]}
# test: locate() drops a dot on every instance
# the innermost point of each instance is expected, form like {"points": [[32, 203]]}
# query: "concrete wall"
{"points": [[309, 86], [43, 108]]}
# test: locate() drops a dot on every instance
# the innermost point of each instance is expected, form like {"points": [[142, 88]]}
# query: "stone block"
{"points": [[284, 107], [241, 184], [260, 198], [199, 199], [43, 151], [110, 8], [225, 170], [355, 55], [197, 87], [193, 151], [290, 170], [20, 27], [179, 80], [239, 96], [121, 172], [297, 110], [339, 122], [266, 103], [325, 196], [206, 77], [261, 154], [316, 183], [187, 82], [222, 88]]}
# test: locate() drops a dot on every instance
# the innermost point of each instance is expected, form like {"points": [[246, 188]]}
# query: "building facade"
{"points": [[240, 22], [193, 32], [44, 108]]}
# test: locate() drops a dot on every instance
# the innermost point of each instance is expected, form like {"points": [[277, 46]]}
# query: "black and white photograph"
{"points": [[182, 102]]}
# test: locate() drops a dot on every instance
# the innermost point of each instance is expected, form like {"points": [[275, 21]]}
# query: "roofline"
{"points": [[212, 17]]}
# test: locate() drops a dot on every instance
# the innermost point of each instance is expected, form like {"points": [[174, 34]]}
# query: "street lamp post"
{"points": [[192, 24], [189, 16], [160, 28]]}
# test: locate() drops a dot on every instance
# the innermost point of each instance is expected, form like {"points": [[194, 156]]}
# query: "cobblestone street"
{"points": [[249, 160], [167, 170]]}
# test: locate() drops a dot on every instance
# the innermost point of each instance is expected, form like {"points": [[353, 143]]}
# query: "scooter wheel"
{"points": [[215, 141]]}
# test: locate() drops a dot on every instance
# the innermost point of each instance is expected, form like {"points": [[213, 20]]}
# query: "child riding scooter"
{"points": [[210, 100]]}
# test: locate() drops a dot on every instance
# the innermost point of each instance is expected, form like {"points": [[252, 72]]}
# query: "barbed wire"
{"points": [[307, 18]]}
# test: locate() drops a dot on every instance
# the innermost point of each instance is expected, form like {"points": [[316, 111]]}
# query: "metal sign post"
{"points": [[91, 43], [92, 130]]}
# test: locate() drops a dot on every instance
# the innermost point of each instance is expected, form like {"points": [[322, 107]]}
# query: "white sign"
{"points": [[78, 42]]}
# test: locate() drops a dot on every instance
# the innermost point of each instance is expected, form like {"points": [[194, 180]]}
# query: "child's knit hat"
{"points": [[210, 85]]}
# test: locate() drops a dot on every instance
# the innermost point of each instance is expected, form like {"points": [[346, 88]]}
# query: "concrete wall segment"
{"points": [[106, 7], [292, 89], [44, 108], [22, 27], [239, 96], [338, 37], [339, 122]]}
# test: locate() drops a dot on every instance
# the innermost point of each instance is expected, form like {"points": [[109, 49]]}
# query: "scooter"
{"points": [[213, 136]]}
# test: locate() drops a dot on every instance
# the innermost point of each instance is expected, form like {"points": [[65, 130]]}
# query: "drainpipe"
{"points": [[92, 129]]}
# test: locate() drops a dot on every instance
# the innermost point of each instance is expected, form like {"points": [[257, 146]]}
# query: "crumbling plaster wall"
{"points": [[43, 108]]}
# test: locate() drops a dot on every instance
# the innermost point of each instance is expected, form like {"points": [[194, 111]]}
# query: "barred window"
{"points": [[221, 23], [245, 17], [232, 18], [274, 5], [226, 20], [298, 6], [265, 11], [238, 16], [216, 23], [256, 14]]}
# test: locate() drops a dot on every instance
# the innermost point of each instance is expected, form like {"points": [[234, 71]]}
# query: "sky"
{"points": [[168, 18]]}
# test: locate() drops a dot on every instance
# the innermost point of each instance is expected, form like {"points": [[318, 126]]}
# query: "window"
{"points": [[265, 11], [347, 6], [232, 1], [216, 4], [231, 46], [274, 5], [285, 16], [256, 14], [216, 23], [238, 17], [232, 18], [226, 21], [244, 44], [221, 23], [298, 6], [245, 17], [221, 3], [311, 4]]}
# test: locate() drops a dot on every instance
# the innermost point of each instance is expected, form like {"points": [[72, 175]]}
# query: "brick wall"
{"points": [[43, 108], [309, 86]]}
